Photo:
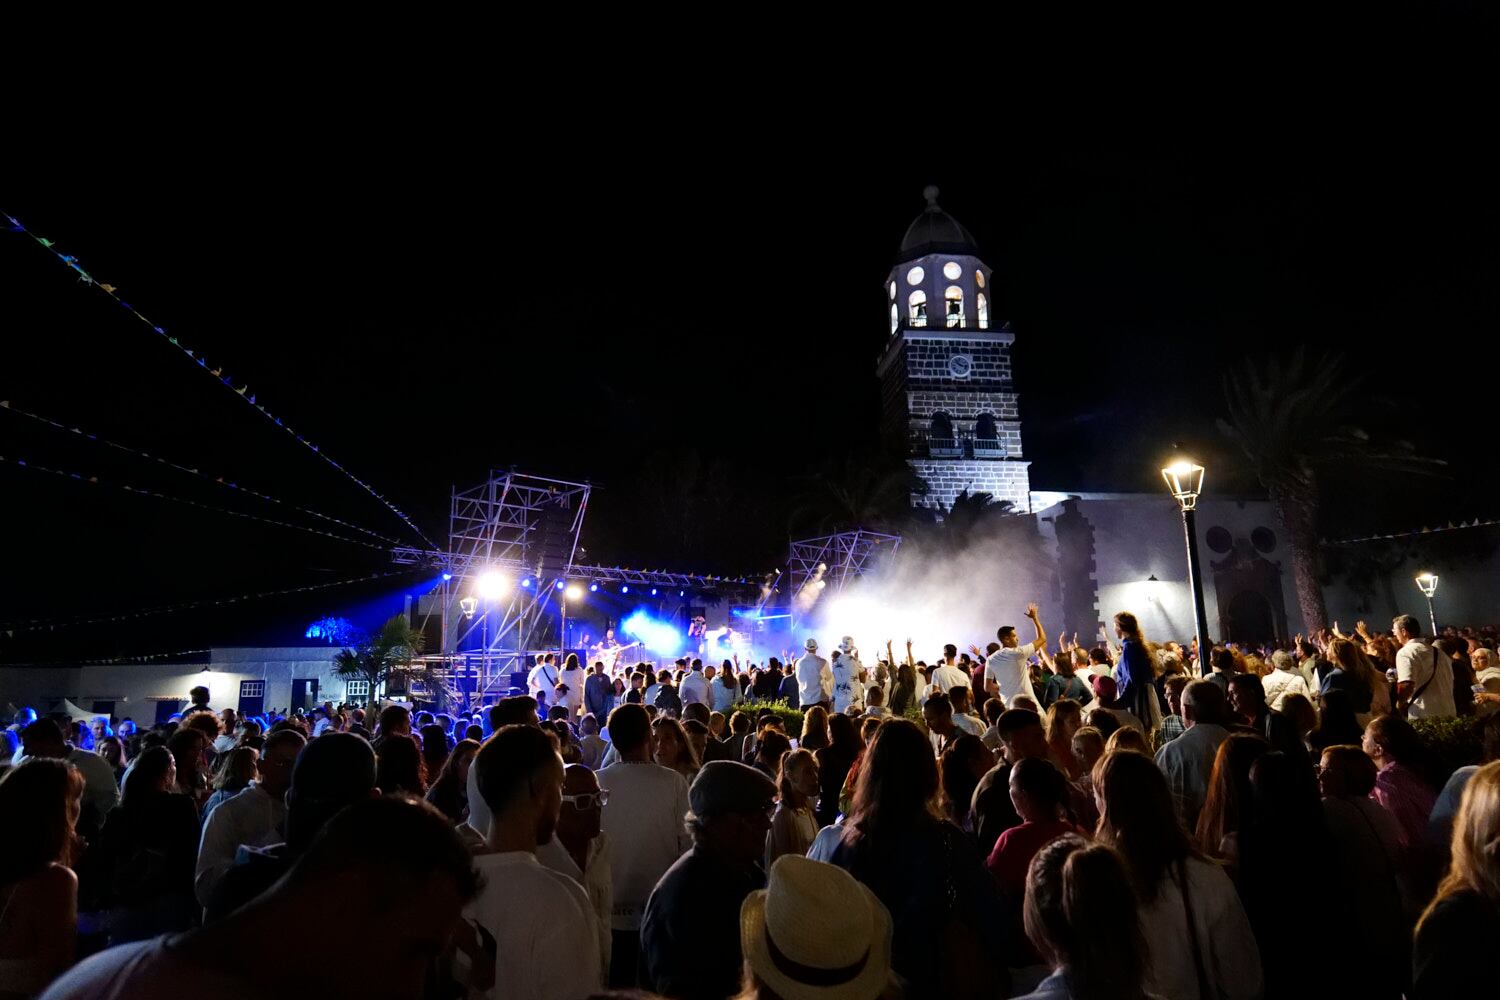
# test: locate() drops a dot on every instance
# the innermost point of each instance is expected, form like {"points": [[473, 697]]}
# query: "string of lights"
{"points": [[217, 371], [216, 480]]}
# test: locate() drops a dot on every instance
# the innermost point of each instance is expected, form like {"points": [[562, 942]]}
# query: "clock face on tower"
{"points": [[959, 365]]}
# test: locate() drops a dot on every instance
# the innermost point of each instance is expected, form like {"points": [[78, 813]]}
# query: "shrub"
{"points": [[1450, 744]]}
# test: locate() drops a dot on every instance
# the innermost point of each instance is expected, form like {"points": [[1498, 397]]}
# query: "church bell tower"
{"points": [[946, 381]]}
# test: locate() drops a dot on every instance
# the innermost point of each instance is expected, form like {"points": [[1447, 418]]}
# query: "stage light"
{"points": [[574, 592], [492, 584], [682, 593], [659, 637], [653, 591], [624, 588], [593, 587], [447, 576], [526, 583], [560, 585]]}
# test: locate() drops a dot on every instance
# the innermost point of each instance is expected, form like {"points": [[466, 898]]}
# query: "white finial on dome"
{"points": [[930, 192]]}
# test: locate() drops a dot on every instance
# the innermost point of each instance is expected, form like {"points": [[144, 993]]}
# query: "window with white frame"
{"points": [[917, 303], [982, 310], [356, 690]]}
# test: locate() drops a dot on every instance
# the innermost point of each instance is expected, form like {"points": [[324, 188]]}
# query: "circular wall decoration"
{"points": [[1264, 539], [1220, 540], [960, 365]]}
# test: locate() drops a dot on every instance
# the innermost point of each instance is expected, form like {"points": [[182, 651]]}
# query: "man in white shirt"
{"points": [[1284, 680], [814, 678], [580, 850], [256, 817], [644, 822], [537, 919], [694, 688], [44, 738], [949, 674], [1188, 761], [848, 678], [1424, 674], [1005, 672], [543, 679]]}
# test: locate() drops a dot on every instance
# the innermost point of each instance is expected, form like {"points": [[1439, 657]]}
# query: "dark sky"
{"points": [[650, 314]]}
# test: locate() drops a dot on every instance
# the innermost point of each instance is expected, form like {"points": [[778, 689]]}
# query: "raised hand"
{"points": [[1032, 611]]}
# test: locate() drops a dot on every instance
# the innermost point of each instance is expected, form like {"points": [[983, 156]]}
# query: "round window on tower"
{"points": [[915, 276], [979, 278], [893, 291], [895, 317], [1219, 539], [951, 270]]}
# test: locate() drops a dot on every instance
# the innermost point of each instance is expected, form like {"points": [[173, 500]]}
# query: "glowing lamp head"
{"points": [[447, 576], [1185, 481], [492, 584], [574, 592], [560, 585], [468, 606], [526, 583], [1427, 584], [653, 591]]}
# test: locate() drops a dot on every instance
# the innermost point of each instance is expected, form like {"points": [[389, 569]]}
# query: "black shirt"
{"points": [[690, 935], [1454, 946]]}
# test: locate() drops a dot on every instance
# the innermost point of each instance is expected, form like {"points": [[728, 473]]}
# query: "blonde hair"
{"points": [[1475, 847]]}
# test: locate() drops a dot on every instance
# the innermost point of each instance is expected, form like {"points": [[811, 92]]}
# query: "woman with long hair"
{"points": [[1064, 718], [949, 926], [1135, 674], [1200, 940], [450, 792], [113, 752], [1084, 919], [40, 801], [815, 729], [1227, 807], [398, 767], [1354, 674], [189, 748], [233, 775], [793, 826], [148, 850], [834, 763], [674, 749], [963, 763], [1460, 926], [434, 748]]}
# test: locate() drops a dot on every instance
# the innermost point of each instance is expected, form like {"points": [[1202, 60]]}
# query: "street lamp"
{"points": [[1427, 584], [468, 606], [570, 593], [1185, 481]]}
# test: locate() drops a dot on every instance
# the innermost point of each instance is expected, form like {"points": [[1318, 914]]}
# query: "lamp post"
{"points": [[1427, 584], [1185, 481], [468, 606]]}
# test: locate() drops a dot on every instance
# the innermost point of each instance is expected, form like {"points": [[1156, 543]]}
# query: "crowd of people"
{"points": [[1112, 821]]}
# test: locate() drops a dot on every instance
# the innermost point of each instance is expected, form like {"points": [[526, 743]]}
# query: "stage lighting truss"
{"points": [[829, 563]]}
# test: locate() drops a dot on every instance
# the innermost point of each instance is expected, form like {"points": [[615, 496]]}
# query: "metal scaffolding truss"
{"points": [[834, 560]]}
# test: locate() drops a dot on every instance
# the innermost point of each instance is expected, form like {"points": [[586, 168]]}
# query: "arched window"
{"points": [[893, 291], [917, 302], [982, 309], [987, 437], [954, 302], [940, 439], [895, 317], [979, 278]]}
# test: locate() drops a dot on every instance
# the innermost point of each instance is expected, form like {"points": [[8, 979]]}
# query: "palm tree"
{"points": [[1292, 422], [376, 657], [867, 491]]}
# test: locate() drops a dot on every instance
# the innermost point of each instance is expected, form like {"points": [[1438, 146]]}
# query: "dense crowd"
{"points": [[1044, 818]]}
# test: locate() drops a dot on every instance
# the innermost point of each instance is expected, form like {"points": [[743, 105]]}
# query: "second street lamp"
{"points": [[1427, 584], [1185, 480]]}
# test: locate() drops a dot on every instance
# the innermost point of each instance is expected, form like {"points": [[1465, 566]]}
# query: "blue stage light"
{"points": [[447, 576], [560, 585], [526, 582], [682, 593], [653, 591], [657, 636], [624, 588], [593, 587]]}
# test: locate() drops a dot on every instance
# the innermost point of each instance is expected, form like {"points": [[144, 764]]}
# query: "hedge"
{"points": [[1450, 743]]}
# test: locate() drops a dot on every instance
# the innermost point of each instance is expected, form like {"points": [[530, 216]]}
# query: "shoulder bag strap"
{"points": [[1205, 990], [1418, 692]]}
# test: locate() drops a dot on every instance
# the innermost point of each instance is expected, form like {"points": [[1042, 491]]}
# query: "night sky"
{"points": [[676, 323]]}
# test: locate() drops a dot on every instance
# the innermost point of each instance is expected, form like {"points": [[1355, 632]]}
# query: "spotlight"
{"points": [[653, 591], [492, 584], [682, 593], [447, 576], [526, 583], [624, 588], [560, 585], [593, 587], [574, 592]]}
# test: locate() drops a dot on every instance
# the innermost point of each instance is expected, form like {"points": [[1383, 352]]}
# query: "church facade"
{"points": [[950, 404]]}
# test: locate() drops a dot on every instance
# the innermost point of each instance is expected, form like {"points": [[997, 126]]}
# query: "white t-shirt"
{"points": [[1007, 668], [694, 689], [847, 690], [595, 882], [574, 679], [950, 676], [1280, 683], [968, 724], [1416, 662], [538, 952], [644, 820], [543, 678]]}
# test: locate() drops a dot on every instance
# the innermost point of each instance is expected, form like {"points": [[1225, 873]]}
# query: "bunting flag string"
{"points": [[50, 625], [138, 491], [139, 658], [1450, 526], [217, 371], [216, 480]]}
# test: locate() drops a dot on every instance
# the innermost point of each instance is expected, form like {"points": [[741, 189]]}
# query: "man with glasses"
{"points": [[256, 817], [579, 847], [690, 936]]}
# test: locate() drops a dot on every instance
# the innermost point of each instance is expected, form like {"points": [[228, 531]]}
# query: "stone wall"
{"points": [[947, 478]]}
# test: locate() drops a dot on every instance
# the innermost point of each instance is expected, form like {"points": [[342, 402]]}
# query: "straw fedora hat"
{"points": [[815, 932]]}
